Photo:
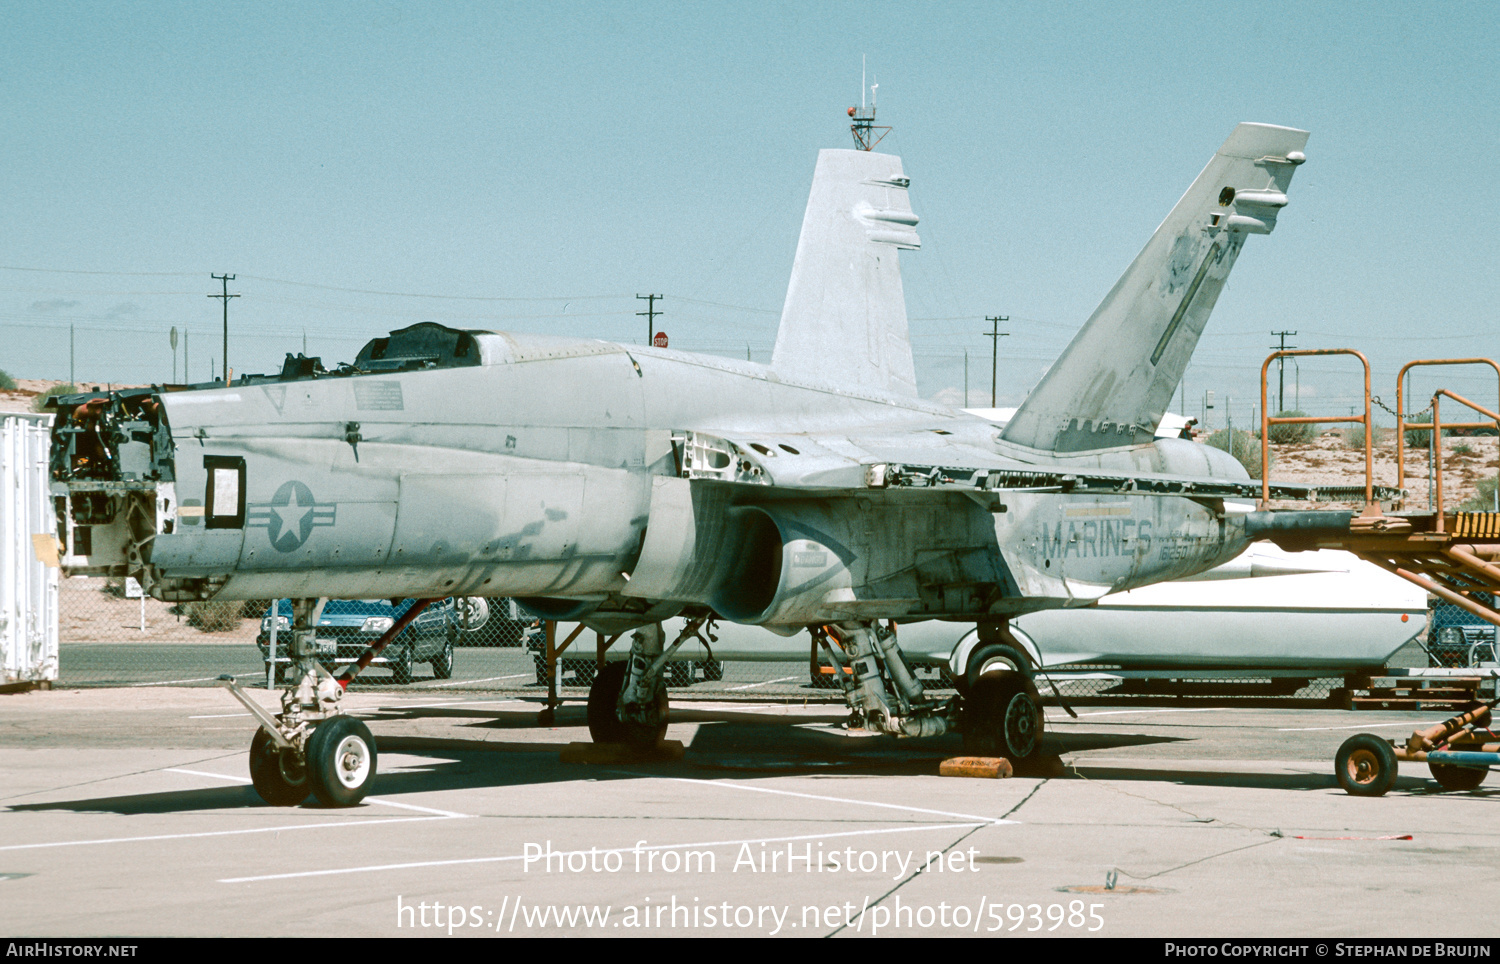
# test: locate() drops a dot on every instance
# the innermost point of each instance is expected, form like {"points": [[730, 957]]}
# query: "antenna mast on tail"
{"points": [[864, 127]]}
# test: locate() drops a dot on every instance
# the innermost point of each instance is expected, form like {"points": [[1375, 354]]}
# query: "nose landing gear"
{"points": [[312, 746]]}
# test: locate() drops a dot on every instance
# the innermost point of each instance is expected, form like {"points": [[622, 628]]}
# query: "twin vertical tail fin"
{"points": [[1114, 381], [844, 320]]}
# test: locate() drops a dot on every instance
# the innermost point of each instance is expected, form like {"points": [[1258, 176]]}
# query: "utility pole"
{"points": [[1281, 369], [649, 314], [225, 278], [995, 334]]}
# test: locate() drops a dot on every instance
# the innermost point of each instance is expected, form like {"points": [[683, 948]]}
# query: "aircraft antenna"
{"points": [[866, 133]]}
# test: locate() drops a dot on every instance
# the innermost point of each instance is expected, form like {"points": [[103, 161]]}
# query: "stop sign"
{"points": [[659, 339]]}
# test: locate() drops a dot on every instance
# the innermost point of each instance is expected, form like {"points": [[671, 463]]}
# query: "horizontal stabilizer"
{"points": [[1112, 384], [844, 320]]}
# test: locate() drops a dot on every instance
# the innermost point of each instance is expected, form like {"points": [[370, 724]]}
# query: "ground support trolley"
{"points": [[1458, 752]]}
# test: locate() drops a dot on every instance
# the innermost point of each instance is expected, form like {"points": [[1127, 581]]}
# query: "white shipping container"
{"points": [[28, 587]]}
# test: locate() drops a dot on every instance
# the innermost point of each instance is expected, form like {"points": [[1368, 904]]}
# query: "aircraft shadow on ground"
{"points": [[726, 746], [171, 801], [1079, 742]]}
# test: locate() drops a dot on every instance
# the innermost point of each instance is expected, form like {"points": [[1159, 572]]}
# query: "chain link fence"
{"points": [[111, 636]]}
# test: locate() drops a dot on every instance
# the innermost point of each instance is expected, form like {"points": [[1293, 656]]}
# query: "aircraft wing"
{"points": [[826, 466]]}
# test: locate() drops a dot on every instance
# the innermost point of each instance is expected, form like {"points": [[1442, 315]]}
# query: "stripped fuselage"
{"points": [[628, 480]]}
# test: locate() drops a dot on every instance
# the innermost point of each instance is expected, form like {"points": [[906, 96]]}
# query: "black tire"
{"points": [[400, 663], [713, 670], [1003, 717], [541, 667], [442, 663], [605, 725], [1365, 766], [1458, 779], [341, 761], [280, 778]]}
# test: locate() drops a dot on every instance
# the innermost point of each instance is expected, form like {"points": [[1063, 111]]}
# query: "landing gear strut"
{"points": [[311, 746], [999, 711]]}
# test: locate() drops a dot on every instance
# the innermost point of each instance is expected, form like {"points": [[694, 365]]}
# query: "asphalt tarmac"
{"points": [[127, 812]]}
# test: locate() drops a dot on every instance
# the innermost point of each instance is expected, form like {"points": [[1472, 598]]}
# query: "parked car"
{"points": [[349, 626]]}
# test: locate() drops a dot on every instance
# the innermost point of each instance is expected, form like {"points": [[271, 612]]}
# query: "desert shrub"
{"points": [[1246, 448], [6, 382], [62, 388], [1417, 437], [1302, 432], [214, 617], [1354, 437], [1462, 448], [1483, 499]]}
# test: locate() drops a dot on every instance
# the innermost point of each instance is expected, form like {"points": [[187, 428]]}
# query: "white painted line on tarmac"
{"points": [[173, 682], [1362, 726], [735, 706], [768, 682], [1195, 709], [205, 773], [815, 796], [412, 806], [414, 706], [487, 679], [220, 833], [417, 865], [218, 716]]}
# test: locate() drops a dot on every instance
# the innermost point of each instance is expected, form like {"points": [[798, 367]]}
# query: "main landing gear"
{"points": [[628, 701], [998, 709], [312, 746]]}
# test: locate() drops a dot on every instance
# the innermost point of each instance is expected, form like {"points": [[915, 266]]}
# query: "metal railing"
{"points": [[1267, 420], [1437, 437]]}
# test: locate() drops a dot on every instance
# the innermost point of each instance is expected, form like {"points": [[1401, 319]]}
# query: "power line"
{"points": [[225, 278], [1281, 369], [649, 314], [995, 334]]}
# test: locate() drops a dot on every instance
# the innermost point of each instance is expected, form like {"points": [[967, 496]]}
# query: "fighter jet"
{"points": [[622, 485]]}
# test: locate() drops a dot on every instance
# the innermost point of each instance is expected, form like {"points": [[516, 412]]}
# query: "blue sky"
{"points": [[538, 165]]}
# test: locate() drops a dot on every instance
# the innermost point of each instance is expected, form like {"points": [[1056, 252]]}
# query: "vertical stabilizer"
{"points": [[1114, 381], [844, 321]]}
